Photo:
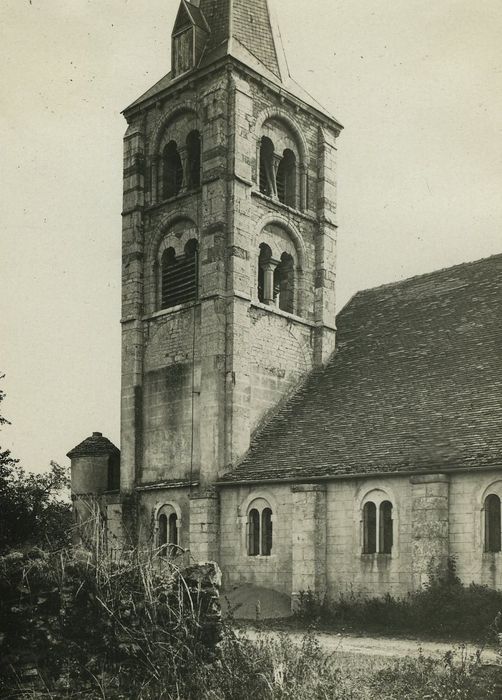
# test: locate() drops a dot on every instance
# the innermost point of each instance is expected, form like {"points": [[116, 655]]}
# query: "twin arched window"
{"points": [[259, 529], [181, 165], [179, 276], [493, 525], [378, 528], [278, 174], [168, 536], [276, 279]]}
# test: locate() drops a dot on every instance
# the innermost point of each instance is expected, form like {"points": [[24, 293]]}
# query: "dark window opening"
{"points": [[492, 524], [386, 528], [193, 159], [263, 260], [369, 528], [260, 532], [163, 534], [179, 276], [267, 178], [173, 170], [253, 533], [286, 179], [114, 472], [173, 529], [266, 532], [284, 283]]}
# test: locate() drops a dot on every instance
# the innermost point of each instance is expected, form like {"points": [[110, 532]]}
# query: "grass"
{"points": [[92, 628]]}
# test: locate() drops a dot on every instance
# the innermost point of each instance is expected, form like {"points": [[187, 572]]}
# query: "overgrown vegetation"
{"points": [[444, 607], [77, 626], [35, 509], [70, 622]]}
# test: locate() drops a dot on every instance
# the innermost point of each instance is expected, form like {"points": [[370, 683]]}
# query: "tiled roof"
{"points": [[245, 30], [414, 385], [96, 444]]}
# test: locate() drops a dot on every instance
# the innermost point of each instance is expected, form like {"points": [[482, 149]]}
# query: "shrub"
{"points": [[443, 607], [71, 620]]}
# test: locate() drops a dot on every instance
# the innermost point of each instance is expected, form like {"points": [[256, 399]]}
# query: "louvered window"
{"points": [[179, 276]]}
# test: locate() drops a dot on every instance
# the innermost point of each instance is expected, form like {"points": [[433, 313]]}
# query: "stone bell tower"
{"points": [[228, 258]]}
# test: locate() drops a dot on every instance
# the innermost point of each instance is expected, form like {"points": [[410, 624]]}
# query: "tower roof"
{"points": [[96, 444], [246, 30]]}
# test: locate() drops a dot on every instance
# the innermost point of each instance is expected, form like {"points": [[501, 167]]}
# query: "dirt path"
{"points": [[392, 647]]}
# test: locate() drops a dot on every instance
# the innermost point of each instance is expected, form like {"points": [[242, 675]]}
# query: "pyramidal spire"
{"points": [[246, 29]]}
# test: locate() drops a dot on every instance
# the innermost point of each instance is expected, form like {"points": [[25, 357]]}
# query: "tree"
{"points": [[34, 508]]}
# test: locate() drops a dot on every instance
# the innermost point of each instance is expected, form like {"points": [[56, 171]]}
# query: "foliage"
{"points": [[76, 622], [444, 607], [456, 675], [34, 508], [85, 626]]}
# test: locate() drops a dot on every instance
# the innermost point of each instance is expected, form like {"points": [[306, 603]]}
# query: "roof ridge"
{"points": [[423, 275]]}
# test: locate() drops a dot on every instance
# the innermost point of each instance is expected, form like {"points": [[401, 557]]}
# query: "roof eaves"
{"points": [[310, 479]]}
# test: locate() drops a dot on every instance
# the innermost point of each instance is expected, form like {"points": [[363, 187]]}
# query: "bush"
{"points": [[443, 607], [73, 622]]}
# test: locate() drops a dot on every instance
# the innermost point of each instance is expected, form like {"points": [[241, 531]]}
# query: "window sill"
{"points": [[261, 557], [174, 198], [284, 207], [279, 312], [376, 555], [170, 310]]}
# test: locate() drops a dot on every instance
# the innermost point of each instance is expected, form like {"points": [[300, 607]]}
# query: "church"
{"points": [[300, 449]]}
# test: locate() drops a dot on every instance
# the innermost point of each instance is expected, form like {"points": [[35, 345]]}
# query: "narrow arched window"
{"points": [[253, 533], [172, 170], [284, 291], [168, 266], [267, 174], [259, 529], [265, 291], [369, 528], [163, 534], [386, 528], [286, 179], [193, 159], [173, 529], [492, 524], [266, 532], [167, 530], [179, 276]]}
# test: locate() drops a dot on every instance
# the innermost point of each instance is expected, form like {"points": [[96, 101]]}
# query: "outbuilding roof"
{"points": [[415, 384], [96, 444]]}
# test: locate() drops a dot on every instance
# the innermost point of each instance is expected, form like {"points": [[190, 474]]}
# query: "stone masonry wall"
{"points": [[238, 568], [467, 494]]}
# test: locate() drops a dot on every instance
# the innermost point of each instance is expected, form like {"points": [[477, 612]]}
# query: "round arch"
{"points": [[289, 228], [162, 229], [263, 495], [188, 107], [285, 117]]}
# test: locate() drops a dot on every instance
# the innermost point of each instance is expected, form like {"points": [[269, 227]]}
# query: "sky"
{"points": [[416, 83]]}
